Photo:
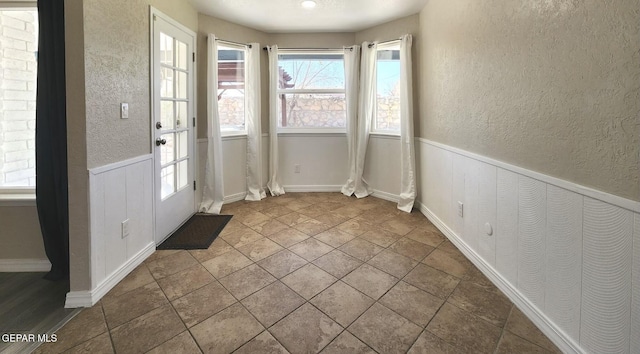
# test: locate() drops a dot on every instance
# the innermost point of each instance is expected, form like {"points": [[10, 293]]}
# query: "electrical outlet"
{"points": [[460, 209], [125, 228], [296, 168], [124, 111]]}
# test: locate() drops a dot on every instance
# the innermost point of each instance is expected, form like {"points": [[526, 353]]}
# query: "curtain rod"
{"points": [[267, 48], [385, 42], [232, 42]]}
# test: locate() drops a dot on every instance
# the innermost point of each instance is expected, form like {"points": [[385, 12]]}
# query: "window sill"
{"points": [[234, 136], [386, 134], [312, 132], [22, 199]]}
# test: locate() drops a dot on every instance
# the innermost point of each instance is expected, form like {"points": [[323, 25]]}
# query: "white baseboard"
{"points": [[311, 188], [386, 196], [557, 336], [89, 298], [234, 197], [24, 265]]}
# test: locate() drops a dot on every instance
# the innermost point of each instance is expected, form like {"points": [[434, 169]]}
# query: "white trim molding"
{"points": [[234, 197], [24, 265], [89, 298], [120, 164], [385, 195]]}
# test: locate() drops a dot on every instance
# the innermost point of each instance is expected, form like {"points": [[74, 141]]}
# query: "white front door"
{"points": [[173, 124]]}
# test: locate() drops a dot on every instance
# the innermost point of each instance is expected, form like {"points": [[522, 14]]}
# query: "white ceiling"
{"points": [[282, 16]]}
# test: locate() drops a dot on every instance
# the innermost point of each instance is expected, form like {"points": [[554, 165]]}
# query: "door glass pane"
{"points": [[166, 114], [166, 49], [183, 144], [167, 151], [181, 85], [182, 117], [166, 82], [182, 55], [183, 173], [167, 180]]}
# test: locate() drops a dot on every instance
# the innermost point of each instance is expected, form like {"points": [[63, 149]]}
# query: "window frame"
{"points": [[374, 130], [343, 91], [18, 195], [241, 47]]}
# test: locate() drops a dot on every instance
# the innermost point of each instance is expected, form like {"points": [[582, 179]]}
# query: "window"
{"points": [[231, 83], [387, 110], [311, 90], [18, 55]]}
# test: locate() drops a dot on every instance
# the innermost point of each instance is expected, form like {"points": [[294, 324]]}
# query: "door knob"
{"points": [[160, 141], [158, 125]]}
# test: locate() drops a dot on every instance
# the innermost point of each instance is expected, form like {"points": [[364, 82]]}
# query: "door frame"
{"points": [[153, 12]]}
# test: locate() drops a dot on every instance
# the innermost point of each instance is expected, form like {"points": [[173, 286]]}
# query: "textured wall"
{"points": [[20, 233], [236, 33], [551, 86], [117, 70]]}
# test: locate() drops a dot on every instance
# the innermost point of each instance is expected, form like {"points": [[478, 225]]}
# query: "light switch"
{"points": [[124, 111]]}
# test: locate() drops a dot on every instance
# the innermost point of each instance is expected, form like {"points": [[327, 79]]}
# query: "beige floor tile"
{"points": [[232, 226], [184, 282], [218, 247], [431, 344], [428, 237], [282, 263], [276, 211], [432, 280], [264, 343], [412, 303], [371, 281], [490, 306], [332, 203], [160, 254], [346, 343], [454, 264], [412, 249], [342, 303], [447, 246], [288, 237], [310, 249], [464, 330], [332, 218], [384, 330], [227, 330], [296, 204], [397, 226], [145, 332], [272, 303], [226, 264], [253, 218], [260, 249], [171, 264], [126, 307], [311, 227], [270, 227], [88, 324], [247, 281], [309, 281], [182, 343], [375, 216], [306, 330], [521, 326], [334, 237], [203, 303], [510, 343], [100, 344], [349, 211], [312, 210], [393, 263], [356, 227], [337, 263], [380, 237], [361, 249], [292, 218], [137, 278], [242, 237]]}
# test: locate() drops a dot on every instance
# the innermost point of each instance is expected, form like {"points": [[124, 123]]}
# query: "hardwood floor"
{"points": [[30, 304]]}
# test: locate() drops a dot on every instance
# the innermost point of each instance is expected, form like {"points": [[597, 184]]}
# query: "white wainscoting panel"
{"points": [[507, 221], [119, 192], [532, 220], [606, 278], [234, 156], [635, 301], [382, 165], [564, 259], [567, 255]]}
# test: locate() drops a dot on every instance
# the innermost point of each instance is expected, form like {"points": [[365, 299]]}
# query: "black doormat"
{"points": [[197, 233]]}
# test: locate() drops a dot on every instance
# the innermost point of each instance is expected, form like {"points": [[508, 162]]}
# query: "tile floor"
{"points": [[307, 273]]}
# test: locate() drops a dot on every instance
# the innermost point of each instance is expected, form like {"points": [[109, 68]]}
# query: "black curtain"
{"points": [[51, 138]]}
